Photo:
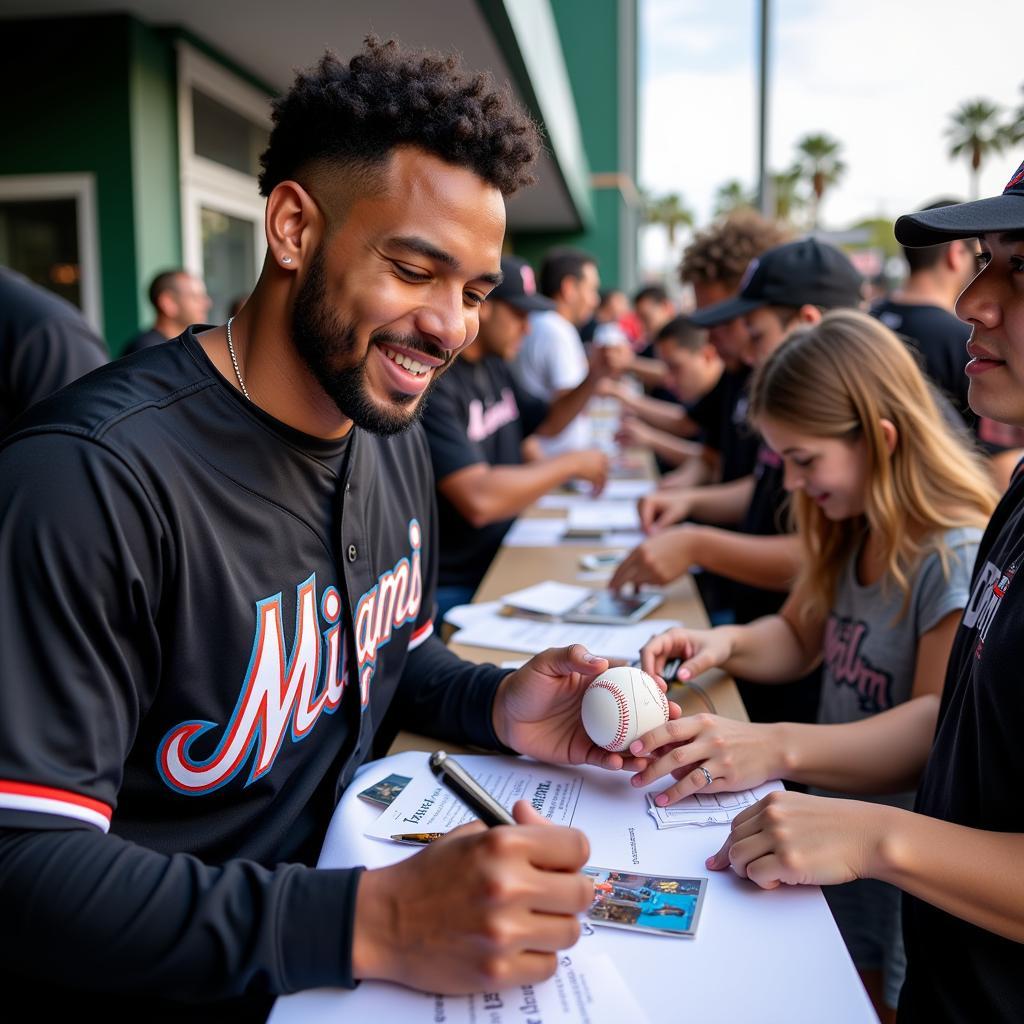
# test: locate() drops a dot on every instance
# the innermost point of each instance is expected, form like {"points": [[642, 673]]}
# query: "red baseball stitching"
{"points": [[620, 699]]}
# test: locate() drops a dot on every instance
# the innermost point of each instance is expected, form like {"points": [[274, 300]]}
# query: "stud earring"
{"points": [[286, 259]]}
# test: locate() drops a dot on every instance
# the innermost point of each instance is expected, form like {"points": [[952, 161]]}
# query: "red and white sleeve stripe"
{"points": [[21, 796], [420, 635]]}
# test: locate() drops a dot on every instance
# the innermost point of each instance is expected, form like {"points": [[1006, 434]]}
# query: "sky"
{"points": [[881, 76]]}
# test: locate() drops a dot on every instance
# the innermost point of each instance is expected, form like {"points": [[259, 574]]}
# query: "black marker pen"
{"points": [[455, 778]]}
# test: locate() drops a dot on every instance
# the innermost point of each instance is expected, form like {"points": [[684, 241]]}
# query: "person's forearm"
{"points": [[885, 753], [692, 473], [674, 449], [650, 372], [723, 504], [566, 406], [768, 562], [494, 493], [667, 416], [173, 926], [972, 874], [767, 650]]}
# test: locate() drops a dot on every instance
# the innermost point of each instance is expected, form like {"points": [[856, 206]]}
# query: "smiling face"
{"points": [[832, 472], [392, 294], [993, 304]]}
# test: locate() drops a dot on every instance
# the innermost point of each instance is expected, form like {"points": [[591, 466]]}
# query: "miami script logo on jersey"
{"points": [[989, 591], [286, 692]]}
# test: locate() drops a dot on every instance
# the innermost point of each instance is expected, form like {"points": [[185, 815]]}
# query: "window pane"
{"points": [[229, 258], [39, 238], [229, 138]]}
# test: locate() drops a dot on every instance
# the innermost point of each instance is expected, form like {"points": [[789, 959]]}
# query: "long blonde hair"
{"points": [[840, 379]]}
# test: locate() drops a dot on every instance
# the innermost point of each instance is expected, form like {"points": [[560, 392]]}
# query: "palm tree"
{"points": [[817, 157], [786, 194], [731, 196], [1015, 129], [974, 132], [671, 211]]}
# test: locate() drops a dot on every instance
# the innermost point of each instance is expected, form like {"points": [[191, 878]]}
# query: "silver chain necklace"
{"points": [[234, 361]]}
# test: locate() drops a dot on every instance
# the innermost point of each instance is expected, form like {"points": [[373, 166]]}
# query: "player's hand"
{"points": [[700, 650], [737, 755], [657, 560], [796, 839], [592, 465], [633, 432], [663, 508], [611, 360], [537, 709], [480, 910]]}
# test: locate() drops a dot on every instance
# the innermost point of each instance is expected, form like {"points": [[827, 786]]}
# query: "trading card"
{"points": [[641, 902], [384, 792]]}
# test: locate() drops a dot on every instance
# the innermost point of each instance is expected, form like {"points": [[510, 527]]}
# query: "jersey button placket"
{"points": [[353, 554]]}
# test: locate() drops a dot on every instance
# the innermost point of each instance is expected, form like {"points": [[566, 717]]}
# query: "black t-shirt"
{"points": [[144, 339], [45, 343], [722, 417], [477, 413], [957, 972], [205, 616], [767, 516]]}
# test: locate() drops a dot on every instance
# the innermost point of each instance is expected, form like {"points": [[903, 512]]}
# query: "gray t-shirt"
{"points": [[870, 652]]}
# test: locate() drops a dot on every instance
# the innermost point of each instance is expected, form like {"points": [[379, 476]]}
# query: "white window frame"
{"points": [[205, 182], [81, 188]]}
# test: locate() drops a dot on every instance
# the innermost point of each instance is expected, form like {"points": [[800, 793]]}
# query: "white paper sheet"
{"points": [[627, 490], [604, 517], [771, 957], [705, 808], [530, 636], [586, 989], [535, 533], [427, 806], [547, 598], [462, 615]]}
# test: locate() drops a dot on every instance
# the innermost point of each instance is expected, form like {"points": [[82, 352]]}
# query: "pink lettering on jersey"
{"points": [[287, 691], [484, 422], [843, 639]]}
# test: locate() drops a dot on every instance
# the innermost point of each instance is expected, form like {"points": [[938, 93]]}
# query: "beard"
{"points": [[327, 345]]}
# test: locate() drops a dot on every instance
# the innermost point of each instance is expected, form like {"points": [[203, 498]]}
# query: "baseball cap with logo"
{"points": [[966, 220], [519, 287], [803, 273]]}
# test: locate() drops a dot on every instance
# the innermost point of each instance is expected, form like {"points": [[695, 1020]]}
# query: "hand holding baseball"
{"points": [[622, 704]]}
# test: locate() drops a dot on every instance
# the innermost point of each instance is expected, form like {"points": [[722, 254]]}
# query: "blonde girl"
{"points": [[890, 504]]}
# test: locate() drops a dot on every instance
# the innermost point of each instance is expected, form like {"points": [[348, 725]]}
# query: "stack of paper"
{"points": [[706, 808], [550, 598], [597, 518], [531, 636]]}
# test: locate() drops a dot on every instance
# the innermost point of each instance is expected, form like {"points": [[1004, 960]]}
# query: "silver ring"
{"points": [[707, 774]]}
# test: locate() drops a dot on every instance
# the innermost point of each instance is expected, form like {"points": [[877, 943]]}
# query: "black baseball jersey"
{"points": [[722, 416], [477, 413], [45, 343], [957, 972], [206, 615]]}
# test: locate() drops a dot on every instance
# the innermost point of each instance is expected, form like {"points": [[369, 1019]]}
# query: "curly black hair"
{"points": [[387, 96]]}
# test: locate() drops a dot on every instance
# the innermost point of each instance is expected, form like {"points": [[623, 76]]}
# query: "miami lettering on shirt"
{"points": [[484, 422], [284, 692], [848, 667]]}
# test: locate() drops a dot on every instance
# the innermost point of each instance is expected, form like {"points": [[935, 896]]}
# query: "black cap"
{"points": [[966, 220], [804, 273], [519, 287]]}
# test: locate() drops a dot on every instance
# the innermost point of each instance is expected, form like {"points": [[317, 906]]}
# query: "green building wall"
{"points": [[97, 95], [599, 46]]}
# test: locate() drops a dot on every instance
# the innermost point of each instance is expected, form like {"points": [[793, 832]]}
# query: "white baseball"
{"points": [[620, 705]]}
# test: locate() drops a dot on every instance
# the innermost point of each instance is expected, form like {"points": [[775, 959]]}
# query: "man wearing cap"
{"points": [[958, 854], [790, 285], [476, 421]]}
